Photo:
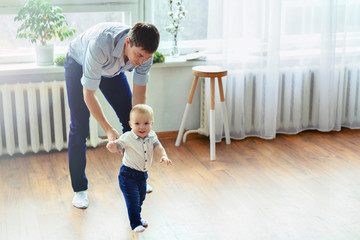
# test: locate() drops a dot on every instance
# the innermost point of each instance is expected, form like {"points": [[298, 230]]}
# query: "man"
{"points": [[97, 59]]}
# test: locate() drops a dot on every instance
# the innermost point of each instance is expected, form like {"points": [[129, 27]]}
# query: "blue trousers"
{"points": [[117, 92], [133, 186]]}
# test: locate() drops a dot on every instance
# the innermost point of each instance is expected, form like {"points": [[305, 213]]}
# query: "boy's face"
{"points": [[141, 123], [136, 55]]}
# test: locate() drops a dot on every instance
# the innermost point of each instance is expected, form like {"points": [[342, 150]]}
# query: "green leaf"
{"points": [[41, 22]]}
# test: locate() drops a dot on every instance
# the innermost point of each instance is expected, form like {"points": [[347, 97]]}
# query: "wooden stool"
{"points": [[211, 72]]}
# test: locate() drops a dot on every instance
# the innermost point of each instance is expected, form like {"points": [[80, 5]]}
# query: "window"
{"points": [[194, 34], [297, 29], [304, 24], [80, 14]]}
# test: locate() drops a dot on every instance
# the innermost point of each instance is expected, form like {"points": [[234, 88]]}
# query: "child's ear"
{"points": [[130, 124], [152, 123]]}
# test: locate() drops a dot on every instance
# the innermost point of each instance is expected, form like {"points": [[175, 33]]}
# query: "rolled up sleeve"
{"points": [[93, 61], [141, 73], [121, 142]]}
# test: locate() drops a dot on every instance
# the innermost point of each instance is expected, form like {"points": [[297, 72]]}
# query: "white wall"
{"points": [[167, 93]]}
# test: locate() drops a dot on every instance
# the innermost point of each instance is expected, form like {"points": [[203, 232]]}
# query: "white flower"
{"points": [[177, 14]]}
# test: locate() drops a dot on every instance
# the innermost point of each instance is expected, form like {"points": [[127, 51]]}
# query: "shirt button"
{"points": [[144, 151]]}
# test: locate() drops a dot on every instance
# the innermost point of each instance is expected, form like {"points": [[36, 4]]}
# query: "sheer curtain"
{"points": [[292, 64]]}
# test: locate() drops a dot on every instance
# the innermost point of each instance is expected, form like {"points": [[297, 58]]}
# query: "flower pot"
{"points": [[44, 55]]}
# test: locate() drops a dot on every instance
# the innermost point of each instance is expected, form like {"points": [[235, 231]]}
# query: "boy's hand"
{"points": [[112, 147], [166, 160]]}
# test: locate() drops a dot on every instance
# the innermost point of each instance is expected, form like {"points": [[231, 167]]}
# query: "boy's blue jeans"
{"points": [[117, 92], [133, 185]]}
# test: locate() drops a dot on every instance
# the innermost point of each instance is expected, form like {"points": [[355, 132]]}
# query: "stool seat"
{"points": [[212, 72], [209, 71]]}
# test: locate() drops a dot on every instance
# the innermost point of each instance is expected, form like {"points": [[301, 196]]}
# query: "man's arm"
{"points": [[95, 109], [139, 94]]}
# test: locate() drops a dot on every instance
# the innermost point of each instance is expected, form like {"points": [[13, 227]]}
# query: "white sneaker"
{"points": [[80, 199], [144, 223], [148, 188], [139, 228]]}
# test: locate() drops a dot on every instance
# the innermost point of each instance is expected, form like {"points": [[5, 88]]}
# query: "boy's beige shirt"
{"points": [[139, 152]]}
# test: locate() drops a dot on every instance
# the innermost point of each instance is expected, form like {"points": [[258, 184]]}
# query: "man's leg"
{"points": [[118, 93], [79, 130]]}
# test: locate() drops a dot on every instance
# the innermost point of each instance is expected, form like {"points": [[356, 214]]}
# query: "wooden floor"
{"points": [[304, 187]]}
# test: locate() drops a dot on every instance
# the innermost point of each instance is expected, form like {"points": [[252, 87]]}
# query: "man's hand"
{"points": [[112, 134]]}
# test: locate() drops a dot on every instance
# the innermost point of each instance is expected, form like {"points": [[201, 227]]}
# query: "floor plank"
{"points": [[303, 186]]}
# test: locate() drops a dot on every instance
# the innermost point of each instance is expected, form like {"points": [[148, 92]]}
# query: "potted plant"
{"points": [[40, 23]]}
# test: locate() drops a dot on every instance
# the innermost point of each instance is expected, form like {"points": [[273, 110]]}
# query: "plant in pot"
{"points": [[40, 23]]}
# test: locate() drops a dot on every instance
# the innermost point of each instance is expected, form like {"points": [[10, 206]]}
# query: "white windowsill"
{"points": [[28, 68], [10, 72]]}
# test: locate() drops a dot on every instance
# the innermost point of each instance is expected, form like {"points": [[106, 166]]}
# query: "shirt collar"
{"points": [[118, 53], [119, 48], [137, 137]]}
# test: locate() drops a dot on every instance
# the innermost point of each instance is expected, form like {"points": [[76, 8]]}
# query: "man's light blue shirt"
{"points": [[100, 52]]}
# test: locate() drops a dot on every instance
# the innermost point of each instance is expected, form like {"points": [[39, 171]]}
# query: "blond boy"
{"points": [[139, 144]]}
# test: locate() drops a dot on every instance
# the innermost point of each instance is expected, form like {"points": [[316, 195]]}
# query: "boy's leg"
{"points": [[118, 93], [130, 189], [143, 189], [79, 127]]}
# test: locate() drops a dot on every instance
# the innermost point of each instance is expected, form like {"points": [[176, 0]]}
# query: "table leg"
{"points": [[187, 109], [212, 119], [224, 111]]}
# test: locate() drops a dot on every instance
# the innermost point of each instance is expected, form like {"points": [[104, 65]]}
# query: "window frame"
{"points": [[185, 46], [133, 9]]}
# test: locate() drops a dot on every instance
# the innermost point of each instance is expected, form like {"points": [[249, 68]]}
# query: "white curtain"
{"points": [[292, 64]]}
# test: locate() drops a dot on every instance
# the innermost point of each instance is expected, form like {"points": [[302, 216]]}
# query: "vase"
{"points": [[175, 49]]}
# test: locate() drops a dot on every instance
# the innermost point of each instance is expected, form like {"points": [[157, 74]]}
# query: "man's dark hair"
{"points": [[144, 35]]}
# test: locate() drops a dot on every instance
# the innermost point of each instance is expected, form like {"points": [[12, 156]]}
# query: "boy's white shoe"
{"points": [[144, 223], [80, 199], [148, 188], [139, 228]]}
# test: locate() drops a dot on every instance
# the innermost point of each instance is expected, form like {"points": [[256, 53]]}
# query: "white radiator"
{"points": [[298, 100], [299, 104], [35, 117], [351, 98]]}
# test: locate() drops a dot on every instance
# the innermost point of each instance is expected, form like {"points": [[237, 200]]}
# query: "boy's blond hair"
{"points": [[143, 109]]}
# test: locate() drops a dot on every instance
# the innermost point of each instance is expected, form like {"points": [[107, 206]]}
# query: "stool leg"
{"points": [[212, 119], [186, 113], [224, 111]]}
